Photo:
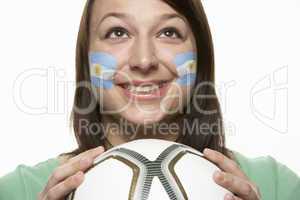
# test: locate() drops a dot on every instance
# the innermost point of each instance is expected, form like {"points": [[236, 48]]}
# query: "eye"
{"points": [[171, 32], [116, 33]]}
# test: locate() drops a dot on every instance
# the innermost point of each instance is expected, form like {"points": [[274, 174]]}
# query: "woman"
{"points": [[140, 64]]}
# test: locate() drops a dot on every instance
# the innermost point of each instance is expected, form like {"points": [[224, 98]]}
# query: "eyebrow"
{"points": [[166, 16]]}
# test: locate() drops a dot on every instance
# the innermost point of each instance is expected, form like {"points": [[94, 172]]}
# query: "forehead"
{"points": [[142, 10]]}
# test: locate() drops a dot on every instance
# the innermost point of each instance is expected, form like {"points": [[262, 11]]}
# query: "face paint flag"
{"points": [[186, 66], [102, 68]]}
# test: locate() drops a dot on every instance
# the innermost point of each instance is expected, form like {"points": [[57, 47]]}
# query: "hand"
{"points": [[69, 175], [232, 177]]}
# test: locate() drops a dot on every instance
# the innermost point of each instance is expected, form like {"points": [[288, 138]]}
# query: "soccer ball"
{"points": [[150, 169]]}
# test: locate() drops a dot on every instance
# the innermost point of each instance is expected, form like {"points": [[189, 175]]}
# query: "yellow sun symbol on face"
{"points": [[97, 69], [192, 66]]}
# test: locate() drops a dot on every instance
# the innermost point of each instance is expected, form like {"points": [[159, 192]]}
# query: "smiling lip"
{"points": [[143, 82], [154, 95]]}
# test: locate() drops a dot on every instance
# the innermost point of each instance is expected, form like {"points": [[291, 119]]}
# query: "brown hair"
{"points": [[194, 13]]}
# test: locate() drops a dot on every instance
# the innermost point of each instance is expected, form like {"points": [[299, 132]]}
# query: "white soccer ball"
{"points": [[150, 169]]}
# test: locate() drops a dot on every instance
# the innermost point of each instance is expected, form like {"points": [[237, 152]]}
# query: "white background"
{"points": [[256, 43]]}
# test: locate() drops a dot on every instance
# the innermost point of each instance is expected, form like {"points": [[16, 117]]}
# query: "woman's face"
{"points": [[142, 59]]}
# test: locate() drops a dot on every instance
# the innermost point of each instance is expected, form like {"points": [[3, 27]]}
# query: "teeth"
{"points": [[143, 89]]}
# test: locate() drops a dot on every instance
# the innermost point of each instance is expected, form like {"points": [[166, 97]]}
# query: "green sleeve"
{"points": [[25, 182], [12, 186], [275, 180], [288, 183]]}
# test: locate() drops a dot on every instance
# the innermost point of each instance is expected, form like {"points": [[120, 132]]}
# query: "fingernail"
{"points": [[229, 197], [79, 175], [101, 148], [206, 151], [85, 162], [218, 175], [98, 150]]}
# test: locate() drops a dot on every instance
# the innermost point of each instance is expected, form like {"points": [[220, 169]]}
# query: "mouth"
{"points": [[145, 90]]}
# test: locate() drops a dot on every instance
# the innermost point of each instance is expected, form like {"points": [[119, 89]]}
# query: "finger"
{"points": [[236, 198], [89, 153], [64, 188], [79, 163], [236, 185], [223, 162], [231, 197]]}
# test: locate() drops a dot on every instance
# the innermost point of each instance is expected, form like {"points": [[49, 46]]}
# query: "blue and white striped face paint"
{"points": [[102, 69], [186, 66]]}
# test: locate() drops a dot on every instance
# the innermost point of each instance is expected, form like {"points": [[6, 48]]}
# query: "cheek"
{"points": [[102, 69], [181, 62], [186, 66], [177, 99], [111, 101]]}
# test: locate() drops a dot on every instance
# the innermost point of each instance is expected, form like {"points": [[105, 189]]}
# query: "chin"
{"points": [[143, 118]]}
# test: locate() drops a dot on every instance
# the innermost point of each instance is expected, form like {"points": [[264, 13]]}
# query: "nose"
{"points": [[143, 57]]}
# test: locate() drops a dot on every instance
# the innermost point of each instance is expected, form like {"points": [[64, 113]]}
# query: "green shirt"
{"points": [[275, 180]]}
